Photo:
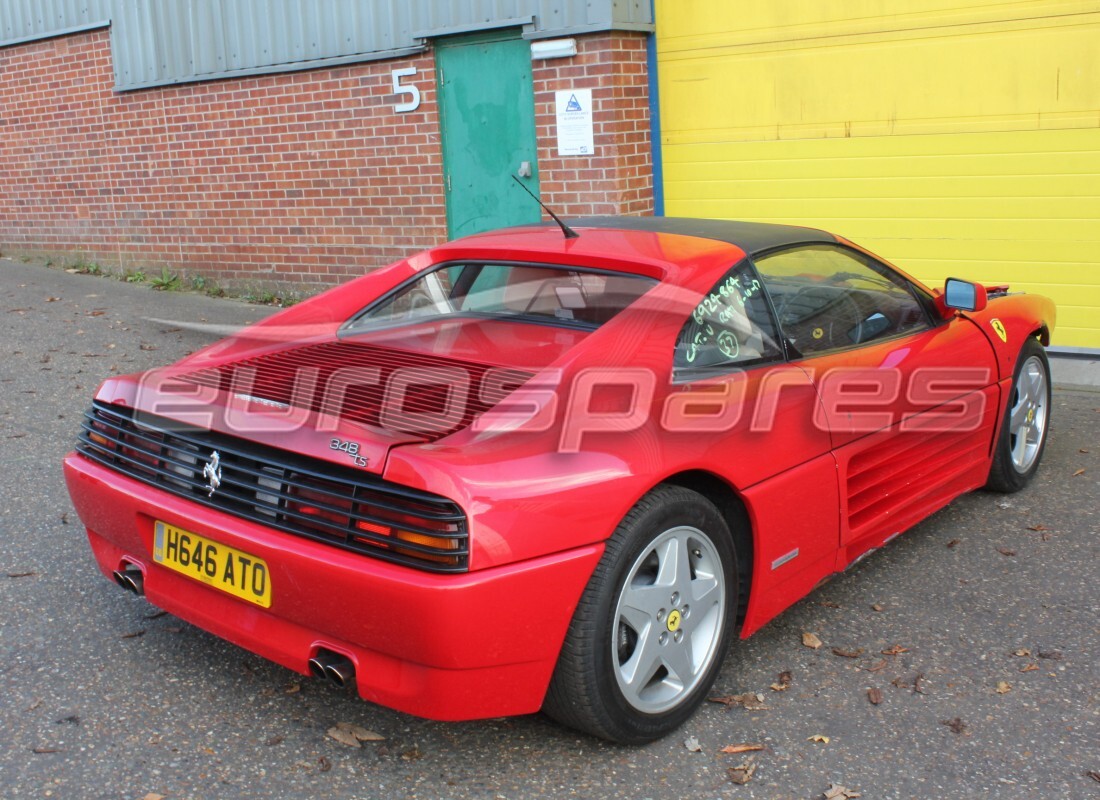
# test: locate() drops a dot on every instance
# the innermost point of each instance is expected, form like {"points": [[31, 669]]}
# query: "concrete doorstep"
{"points": [[1075, 372]]}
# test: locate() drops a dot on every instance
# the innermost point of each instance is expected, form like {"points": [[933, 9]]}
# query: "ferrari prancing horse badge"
{"points": [[999, 329]]}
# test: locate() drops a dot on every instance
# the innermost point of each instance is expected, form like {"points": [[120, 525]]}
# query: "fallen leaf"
{"points": [[1023, 652], [896, 649], [900, 683], [811, 640], [782, 682], [44, 750], [293, 688], [874, 695], [848, 653], [359, 732], [1004, 551], [742, 774], [954, 543], [52, 299], [1003, 687], [817, 737], [1054, 655], [829, 604], [741, 748], [747, 700], [412, 754], [916, 683], [323, 764], [838, 792], [134, 635], [1029, 668], [21, 574], [876, 606], [1079, 472], [1083, 450], [691, 744], [1094, 774], [877, 666], [153, 796], [343, 737], [274, 740], [956, 725], [1038, 528]]}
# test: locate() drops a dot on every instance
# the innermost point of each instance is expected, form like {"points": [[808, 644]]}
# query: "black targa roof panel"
{"points": [[752, 237]]}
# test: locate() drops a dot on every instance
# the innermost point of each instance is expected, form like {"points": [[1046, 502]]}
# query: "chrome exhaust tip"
{"points": [[341, 673], [335, 668], [131, 579], [317, 668]]}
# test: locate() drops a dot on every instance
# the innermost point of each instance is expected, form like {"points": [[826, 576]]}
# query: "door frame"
{"points": [[461, 40]]}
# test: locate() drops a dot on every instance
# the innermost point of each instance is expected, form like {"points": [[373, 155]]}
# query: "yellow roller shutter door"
{"points": [[953, 138]]}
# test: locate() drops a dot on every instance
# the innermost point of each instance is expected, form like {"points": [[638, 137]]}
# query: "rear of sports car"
{"points": [[251, 495]]}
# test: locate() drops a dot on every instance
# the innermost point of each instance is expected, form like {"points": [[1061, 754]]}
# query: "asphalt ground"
{"points": [[991, 609]]}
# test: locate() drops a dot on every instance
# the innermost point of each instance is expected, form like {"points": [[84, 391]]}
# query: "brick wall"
{"points": [[304, 177], [618, 179]]}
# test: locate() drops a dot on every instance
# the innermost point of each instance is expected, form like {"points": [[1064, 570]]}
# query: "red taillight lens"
{"points": [[326, 512], [321, 506]]}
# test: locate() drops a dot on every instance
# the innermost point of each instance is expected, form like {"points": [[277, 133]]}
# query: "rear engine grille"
{"points": [[295, 494], [425, 394]]}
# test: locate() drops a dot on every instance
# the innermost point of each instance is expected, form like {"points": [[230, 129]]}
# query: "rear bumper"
{"points": [[448, 647]]}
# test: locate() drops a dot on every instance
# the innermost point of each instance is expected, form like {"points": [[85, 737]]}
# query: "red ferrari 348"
{"points": [[527, 471]]}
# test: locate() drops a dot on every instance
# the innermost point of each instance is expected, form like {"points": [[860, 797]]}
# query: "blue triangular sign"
{"points": [[573, 105]]}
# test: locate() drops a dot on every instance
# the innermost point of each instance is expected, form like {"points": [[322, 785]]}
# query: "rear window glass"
{"points": [[731, 326], [523, 292]]}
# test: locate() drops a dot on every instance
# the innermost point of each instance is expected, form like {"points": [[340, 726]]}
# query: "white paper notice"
{"points": [[574, 108]]}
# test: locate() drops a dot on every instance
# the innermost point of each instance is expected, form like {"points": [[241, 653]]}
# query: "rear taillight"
{"points": [[318, 506]]}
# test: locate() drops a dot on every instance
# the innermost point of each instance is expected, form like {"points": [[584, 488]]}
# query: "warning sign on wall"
{"points": [[574, 112]]}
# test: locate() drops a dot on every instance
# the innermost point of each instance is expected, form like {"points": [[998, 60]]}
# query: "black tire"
{"points": [[591, 689], [1026, 424]]}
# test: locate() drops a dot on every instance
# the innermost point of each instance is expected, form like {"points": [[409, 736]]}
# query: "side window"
{"points": [[827, 298], [730, 327]]}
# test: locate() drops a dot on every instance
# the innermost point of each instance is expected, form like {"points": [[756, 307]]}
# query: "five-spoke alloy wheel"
{"points": [[649, 633], [1023, 435]]}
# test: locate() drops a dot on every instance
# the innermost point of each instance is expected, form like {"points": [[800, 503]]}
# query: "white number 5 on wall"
{"points": [[413, 93]]}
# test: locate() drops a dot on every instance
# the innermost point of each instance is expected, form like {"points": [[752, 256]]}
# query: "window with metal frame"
{"points": [[828, 297], [730, 327]]}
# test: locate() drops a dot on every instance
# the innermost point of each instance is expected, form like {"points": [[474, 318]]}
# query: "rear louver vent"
{"points": [[301, 496], [408, 392]]}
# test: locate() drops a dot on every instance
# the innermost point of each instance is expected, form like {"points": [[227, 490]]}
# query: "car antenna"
{"points": [[568, 232]]}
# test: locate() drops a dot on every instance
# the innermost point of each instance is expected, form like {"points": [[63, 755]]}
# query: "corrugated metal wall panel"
{"points": [[955, 138], [21, 20], [156, 42]]}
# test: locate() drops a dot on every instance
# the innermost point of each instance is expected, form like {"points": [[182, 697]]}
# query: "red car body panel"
{"points": [[542, 497], [440, 646]]}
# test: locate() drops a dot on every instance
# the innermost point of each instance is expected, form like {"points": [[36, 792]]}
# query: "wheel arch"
{"points": [[736, 514]]}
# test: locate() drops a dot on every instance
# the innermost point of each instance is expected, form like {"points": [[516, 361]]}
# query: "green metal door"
{"points": [[487, 118]]}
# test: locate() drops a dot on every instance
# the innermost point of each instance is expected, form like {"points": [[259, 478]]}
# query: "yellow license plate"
{"points": [[215, 564]]}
